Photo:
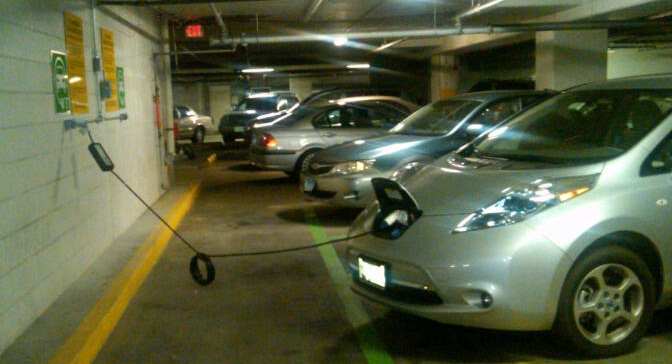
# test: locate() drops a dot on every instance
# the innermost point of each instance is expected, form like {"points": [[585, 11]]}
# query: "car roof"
{"points": [[358, 99], [486, 96], [657, 81]]}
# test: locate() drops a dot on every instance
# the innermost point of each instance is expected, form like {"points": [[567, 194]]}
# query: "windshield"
{"points": [[578, 127], [257, 103], [438, 118]]}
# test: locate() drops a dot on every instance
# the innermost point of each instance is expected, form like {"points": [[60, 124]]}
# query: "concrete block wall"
{"points": [[58, 211]]}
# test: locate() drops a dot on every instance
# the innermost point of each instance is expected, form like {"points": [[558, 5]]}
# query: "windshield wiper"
{"points": [[531, 158]]}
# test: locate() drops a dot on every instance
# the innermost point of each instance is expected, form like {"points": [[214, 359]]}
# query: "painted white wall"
{"points": [[631, 62], [195, 95], [220, 101], [58, 211]]}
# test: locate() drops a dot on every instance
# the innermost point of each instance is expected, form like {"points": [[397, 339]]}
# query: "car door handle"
{"points": [[329, 134]]}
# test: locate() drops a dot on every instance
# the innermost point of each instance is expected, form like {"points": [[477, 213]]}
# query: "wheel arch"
{"points": [[296, 170], [638, 244]]}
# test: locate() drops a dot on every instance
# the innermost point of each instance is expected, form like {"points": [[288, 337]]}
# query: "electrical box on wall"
{"points": [[105, 89]]}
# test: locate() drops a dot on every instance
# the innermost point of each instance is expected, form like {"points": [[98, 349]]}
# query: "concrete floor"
{"points": [[292, 307]]}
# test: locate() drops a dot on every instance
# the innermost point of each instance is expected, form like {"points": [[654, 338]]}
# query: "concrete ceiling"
{"points": [[295, 36]]}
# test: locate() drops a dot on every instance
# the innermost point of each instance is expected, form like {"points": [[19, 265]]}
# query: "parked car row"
{"points": [[341, 175], [513, 210]]}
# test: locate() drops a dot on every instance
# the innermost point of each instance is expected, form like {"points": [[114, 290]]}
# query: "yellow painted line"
{"points": [[89, 337], [208, 161]]}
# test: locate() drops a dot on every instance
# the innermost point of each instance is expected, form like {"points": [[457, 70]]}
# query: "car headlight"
{"points": [[352, 167], [517, 204], [406, 171]]}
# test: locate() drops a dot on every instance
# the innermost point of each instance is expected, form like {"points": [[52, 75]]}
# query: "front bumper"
{"points": [[341, 190], [273, 159], [505, 278], [232, 133]]}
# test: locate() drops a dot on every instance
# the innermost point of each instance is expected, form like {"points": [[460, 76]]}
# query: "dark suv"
{"points": [[232, 125]]}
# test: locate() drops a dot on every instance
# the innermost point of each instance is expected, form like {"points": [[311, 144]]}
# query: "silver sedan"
{"points": [[287, 143], [558, 220]]}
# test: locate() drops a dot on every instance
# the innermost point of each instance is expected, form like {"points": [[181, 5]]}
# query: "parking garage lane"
{"points": [[295, 307], [270, 308]]}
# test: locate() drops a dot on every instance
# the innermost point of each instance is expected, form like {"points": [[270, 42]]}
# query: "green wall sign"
{"points": [[121, 88], [59, 78]]}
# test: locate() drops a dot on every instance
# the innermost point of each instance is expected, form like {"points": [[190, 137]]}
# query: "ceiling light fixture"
{"points": [[359, 66], [258, 70], [340, 41]]}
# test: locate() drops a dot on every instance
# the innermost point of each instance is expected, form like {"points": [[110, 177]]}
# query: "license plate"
{"points": [[238, 129], [372, 272], [308, 184]]}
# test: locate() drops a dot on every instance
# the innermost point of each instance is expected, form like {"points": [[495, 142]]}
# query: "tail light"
{"points": [[266, 140]]}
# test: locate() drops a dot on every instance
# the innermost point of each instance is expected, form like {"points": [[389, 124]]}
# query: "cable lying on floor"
{"points": [[200, 258]]}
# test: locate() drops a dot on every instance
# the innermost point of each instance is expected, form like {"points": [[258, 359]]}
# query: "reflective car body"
{"points": [[285, 143], [190, 125], [557, 220], [341, 175], [232, 125]]}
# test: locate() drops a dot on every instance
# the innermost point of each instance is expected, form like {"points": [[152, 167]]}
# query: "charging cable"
{"points": [[200, 258]]}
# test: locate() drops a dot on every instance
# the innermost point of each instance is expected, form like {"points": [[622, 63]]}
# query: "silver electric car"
{"points": [[341, 175], [557, 220]]}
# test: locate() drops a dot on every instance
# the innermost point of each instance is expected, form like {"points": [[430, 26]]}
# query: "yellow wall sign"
{"points": [[109, 68], [74, 50]]}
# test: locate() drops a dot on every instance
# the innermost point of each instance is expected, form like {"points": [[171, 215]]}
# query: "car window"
{"points": [[258, 104], [375, 114], [497, 111], [660, 160], [581, 126], [334, 118], [182, 111], [438, 118]]}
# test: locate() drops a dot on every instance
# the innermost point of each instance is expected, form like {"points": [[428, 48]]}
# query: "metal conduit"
{"points": [[439, 32]]}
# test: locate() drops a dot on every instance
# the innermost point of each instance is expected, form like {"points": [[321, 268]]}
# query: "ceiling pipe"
{"points": [[220, 21], [312, 9], [475, 10], [440, 32]]}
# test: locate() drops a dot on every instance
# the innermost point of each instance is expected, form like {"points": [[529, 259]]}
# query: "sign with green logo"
{"points": [[121, 88], [59, 79]]}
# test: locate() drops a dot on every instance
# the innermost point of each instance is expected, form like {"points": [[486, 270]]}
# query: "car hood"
{"points": [[454, 185], [392, 146]]}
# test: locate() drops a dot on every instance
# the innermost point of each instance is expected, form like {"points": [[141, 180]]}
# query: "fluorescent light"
{"points": [[258, 70], [359, 66], [340, 41]]}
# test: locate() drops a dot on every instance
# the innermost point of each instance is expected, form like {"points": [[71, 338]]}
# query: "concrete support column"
{"points": [[444, 76], [302, 87], [220, 101], [165, 95], [569, 58]]}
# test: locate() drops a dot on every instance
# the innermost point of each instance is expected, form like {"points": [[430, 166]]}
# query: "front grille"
{"points": [[403, 294]]}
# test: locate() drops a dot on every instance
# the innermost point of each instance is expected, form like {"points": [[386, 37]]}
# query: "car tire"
{"points": [[606, 303], [302, 164], [199, 135]]}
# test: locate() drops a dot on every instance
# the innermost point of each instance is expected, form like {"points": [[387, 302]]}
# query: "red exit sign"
{"points": [[193, 30]]}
